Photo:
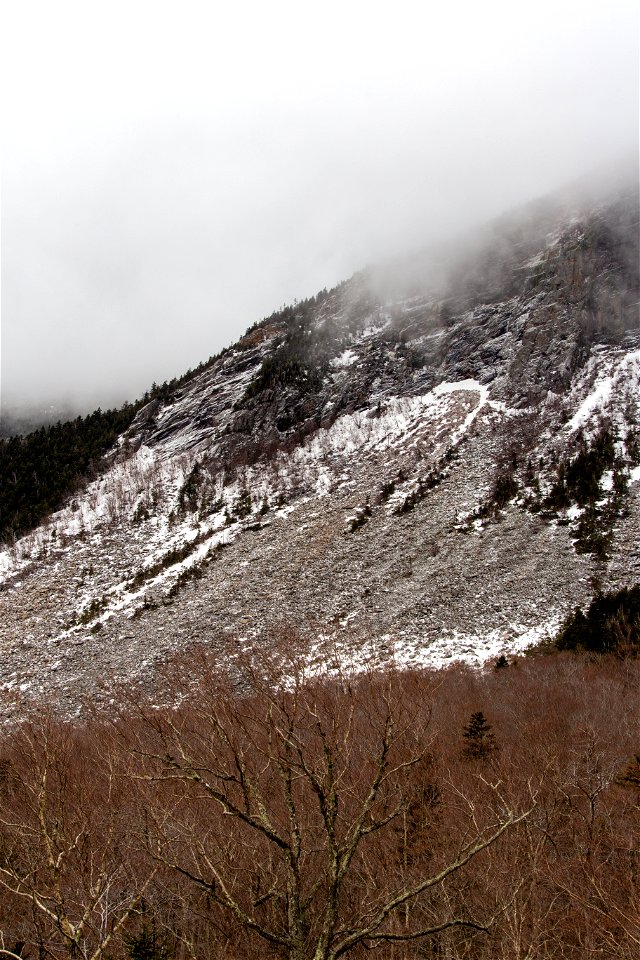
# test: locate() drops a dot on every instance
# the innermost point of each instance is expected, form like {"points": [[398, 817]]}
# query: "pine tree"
{"points": [[480, 742], [147, 945]]}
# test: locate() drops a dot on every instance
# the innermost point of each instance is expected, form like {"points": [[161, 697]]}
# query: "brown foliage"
{"points": [[67, 858], [318, 819]]}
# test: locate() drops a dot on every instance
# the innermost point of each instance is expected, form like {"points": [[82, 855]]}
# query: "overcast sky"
{"points": [[172, 172]]}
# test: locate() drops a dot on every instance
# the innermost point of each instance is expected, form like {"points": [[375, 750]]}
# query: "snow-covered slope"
{"points": [[387, 476]]}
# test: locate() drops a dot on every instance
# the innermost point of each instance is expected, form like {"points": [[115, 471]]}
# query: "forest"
{"points": [[402, 814]]}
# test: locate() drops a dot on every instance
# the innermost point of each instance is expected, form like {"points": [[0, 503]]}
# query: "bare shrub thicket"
{"points": [[303, 818]]}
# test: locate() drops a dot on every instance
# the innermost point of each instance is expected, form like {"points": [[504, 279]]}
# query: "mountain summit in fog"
{"points": [[416, 465]]}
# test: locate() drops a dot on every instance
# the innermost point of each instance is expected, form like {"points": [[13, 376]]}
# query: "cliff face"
{"points": [[426, 466], [522, 313]]}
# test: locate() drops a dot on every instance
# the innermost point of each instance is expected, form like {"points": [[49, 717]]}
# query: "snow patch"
{"points": [[606, 481], [345, 359], [453, 646], [627, 369]]}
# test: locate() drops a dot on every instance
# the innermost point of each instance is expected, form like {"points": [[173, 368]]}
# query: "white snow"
{"points": [[476, 649], [452, 646], [378, 324], [345, 359], [471, 416], [157, 474], [428, 424], [626, 369], [606, 481], [594, 402]]}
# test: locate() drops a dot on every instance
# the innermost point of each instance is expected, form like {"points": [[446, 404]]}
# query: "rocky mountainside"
{"points": [[435, 460]]}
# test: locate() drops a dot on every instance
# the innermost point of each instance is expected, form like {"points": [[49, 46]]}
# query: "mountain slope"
{"points": [[422, 466]]}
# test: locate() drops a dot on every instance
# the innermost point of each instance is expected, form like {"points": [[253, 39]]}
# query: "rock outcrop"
{"points": [[393, 473]]}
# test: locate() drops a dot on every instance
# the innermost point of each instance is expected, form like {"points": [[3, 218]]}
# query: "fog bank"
{"points": [[168, 180]]}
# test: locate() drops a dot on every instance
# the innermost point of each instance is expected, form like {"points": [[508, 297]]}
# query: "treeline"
{"points": [[302, 358], [611, 625], [39, 471], [455, 814], [290, 314]]}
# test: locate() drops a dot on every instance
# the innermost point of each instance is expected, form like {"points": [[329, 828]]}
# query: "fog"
{"points": [[173, 173]]}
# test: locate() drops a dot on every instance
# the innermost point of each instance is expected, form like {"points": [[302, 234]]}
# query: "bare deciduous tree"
{"points": [[65, 830], [303, 789]]}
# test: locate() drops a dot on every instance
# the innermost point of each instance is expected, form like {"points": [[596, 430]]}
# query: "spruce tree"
{"points": [[480, 742], [147, 945]]}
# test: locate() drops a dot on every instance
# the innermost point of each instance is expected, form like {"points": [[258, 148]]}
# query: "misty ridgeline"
{"points": [[316, 650]]}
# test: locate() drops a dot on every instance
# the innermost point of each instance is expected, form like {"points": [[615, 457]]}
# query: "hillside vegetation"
{"points": [[40, 471], [407, 815], [611, 625]]}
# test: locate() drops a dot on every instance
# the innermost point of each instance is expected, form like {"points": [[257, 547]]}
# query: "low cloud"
{"points": [[137, 247]]}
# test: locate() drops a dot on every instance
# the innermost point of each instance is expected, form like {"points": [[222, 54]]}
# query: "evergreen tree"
{"points": [[480, 742], [147, 945], [612, 624]]}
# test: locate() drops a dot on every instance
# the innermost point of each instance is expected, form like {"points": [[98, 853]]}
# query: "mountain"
{"points": [[437, 460]]}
